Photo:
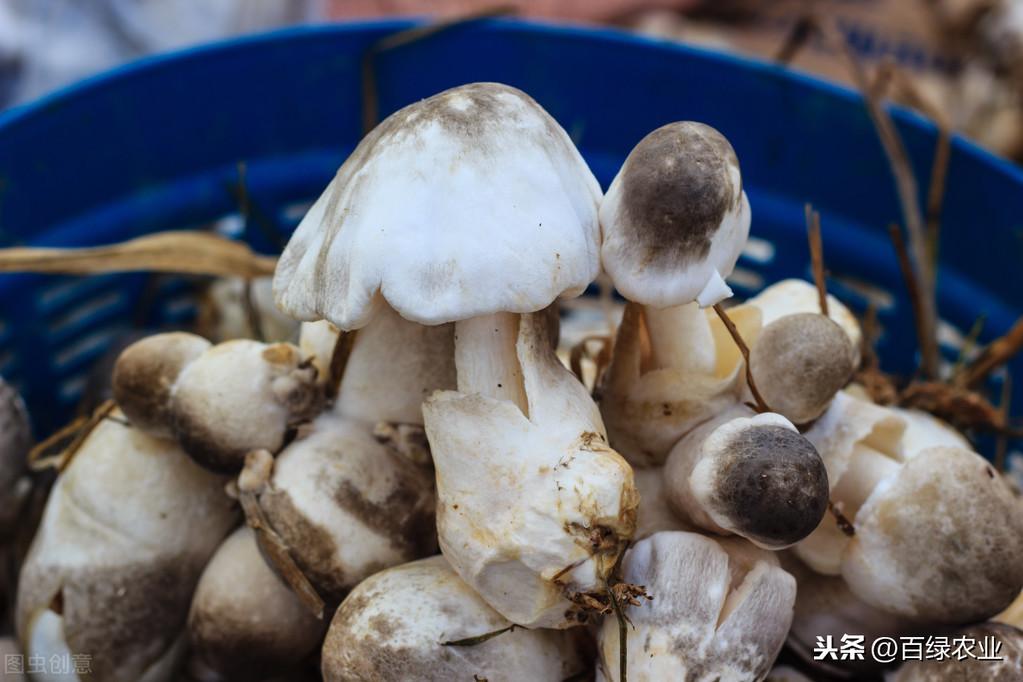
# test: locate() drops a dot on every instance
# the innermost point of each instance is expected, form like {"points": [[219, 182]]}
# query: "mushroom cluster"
{"points": [[419, 487]]}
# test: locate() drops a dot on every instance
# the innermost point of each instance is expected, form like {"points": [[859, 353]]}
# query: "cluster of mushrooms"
{"points": [[420, 488]]}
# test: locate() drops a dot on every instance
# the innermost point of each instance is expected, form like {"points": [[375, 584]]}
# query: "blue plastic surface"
{"points": [[155, 146]]}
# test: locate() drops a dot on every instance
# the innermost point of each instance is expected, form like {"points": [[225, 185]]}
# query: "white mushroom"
{"points": [[395, 626], [347, 505], [720, 611], [235, 309], [674, 222], [244, 622], [533, 506], [654, 513], [127, 529], [799, 362], [749, 474], [924, 430], [794, 296], [219, 401]]}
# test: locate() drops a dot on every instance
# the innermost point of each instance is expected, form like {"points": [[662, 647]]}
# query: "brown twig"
{"points": [[813, 232], [761, 406], [370, 93], [252, 314], [994, 355], [479, 639], [912, 290], [906, 188], [796, 38], [1004, 406]]}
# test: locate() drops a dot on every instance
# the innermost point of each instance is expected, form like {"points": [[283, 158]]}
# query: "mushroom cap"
{"points": [[1009, 667], [144, 375], [393, 624], [759, 478], [240, 396], [245, 622], [799, 362], [470, 202], [720, 611], [941, 541], [675, 217], [790, 296], [347, 505]]}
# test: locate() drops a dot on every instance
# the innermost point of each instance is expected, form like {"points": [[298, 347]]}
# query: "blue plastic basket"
{"points": [[155, 146]]}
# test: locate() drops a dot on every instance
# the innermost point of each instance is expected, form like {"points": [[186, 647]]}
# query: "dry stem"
{"points": [[760, 406], [813, 230]]}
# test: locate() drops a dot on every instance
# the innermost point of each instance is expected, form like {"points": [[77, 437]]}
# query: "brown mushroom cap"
{"points": [[771, 485], [942, 541], [799, 362], [144, 374], [950, 669], [675, 216]]}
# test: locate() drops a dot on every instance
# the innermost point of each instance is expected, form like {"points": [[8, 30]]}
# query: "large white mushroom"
{"points": [[673, 222], [127, 530], [400, 625], [533, 506], [720, 611], [473, 207]]}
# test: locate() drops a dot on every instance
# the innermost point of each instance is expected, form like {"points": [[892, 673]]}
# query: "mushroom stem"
{"points": [[866, 469], [486, 359], [392, 365], [680, 338]]}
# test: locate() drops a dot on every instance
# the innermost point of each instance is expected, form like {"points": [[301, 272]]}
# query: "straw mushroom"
{"points": [[799, 362], [1001, 644], [749, 474], [400, 624], [127, 529], [795, 296], [674, 222], [654, 513], [497, 217], [245, 623], [346, 505], [917, 552], [533, 507], [720, 611], [144, 377], [219, 401]]}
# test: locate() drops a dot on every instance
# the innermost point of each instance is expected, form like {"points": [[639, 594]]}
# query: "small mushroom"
{"points": [[245, 623], [128, 528], [144, 376], [1002, 644], [924, 430], [749, 474], [674, 222], [794, 296], [720, 610], [235, 309], [799, 362], [533, 508], [219, 402], [346, 505], [411, 622]]}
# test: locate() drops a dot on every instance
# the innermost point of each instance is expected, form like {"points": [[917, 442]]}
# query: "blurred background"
{"points": [[963, 58]]}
